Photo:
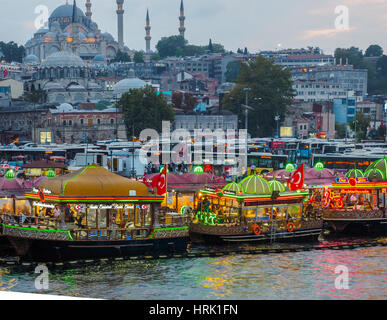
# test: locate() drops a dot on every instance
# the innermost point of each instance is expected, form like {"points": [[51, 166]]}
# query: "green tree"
{"points": [[138, 57], [36, 96], [271, 93], [233, 70], [360, 125], [12, 52], [374, 51], [340, 130], [169, 46], [144, 109], [122, 57], [354, 55], [177, 99]]}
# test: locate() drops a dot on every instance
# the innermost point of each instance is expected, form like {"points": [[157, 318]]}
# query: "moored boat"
{"points": [[253, 211], [93, 213]]}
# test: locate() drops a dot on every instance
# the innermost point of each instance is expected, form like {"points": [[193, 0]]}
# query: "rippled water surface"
{"points": [[300, 275]]}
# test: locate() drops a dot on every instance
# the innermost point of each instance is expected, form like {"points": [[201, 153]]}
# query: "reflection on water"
{"points": [[300, 275]]}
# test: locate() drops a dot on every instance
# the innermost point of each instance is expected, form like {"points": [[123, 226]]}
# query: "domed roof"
{"points": [[255, 185], [52, 85], [276, 186], [66, 107], [31, 59], [42, 31], [93, 85], [381, 165], [63, 59], [356, 173], [76, 87], [65, 11], [233, 187], [94, 181], [127, 84], [107, 36], [375, 175]]}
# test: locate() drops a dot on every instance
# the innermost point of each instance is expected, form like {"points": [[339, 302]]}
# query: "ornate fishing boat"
{"points": [[355, 204], [93, 213], [254, 211]]}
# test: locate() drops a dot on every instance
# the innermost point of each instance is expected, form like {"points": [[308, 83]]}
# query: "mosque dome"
{"points": [[63, 59], [65, 11], [65, 107], [127, 84], [76, 88], [54, 86], [107, 36], [31, 59], [42, 31]]}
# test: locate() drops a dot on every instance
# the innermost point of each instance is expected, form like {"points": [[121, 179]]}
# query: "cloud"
{"points": [[327, 33]]}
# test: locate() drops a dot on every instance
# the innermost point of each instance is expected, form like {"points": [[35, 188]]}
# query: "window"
{"points": [[81, 121], [64, 123], [98, 121], [111, 121]]}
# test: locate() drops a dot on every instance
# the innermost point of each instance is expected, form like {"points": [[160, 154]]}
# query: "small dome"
{"points": [[42, 31], [233, 187], [255, 185], [63, 59], [356, 173], [107, 36], [66, 107], [93, 85], [81, 35], [381, 165], [127, 84], [31, 59], [375, 175], [276, 186], [54, 86], [91, 35], [76, 87]]}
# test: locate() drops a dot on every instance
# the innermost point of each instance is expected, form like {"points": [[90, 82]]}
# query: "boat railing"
{"points": [[173, 220], [22, 220]]}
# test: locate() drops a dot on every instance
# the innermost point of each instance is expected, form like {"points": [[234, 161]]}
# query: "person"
{"points": [[57, 213]]}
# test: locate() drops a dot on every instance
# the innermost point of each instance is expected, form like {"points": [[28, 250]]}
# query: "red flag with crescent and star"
{"points": [[160, 182], [296, 181]]}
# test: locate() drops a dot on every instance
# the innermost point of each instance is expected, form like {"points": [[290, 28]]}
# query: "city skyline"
{"points": [[254, 25]]}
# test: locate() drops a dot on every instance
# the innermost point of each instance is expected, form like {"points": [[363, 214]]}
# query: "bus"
{"points": [[346, 161], [262, 163]]}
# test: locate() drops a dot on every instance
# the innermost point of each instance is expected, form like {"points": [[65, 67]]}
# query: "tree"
{"points": [[177, 99], [374, 51], [354, 56], [138, 57], [360, 125], [271, 93], [189, 101], [12, 52], [233, 70], [210, 46], [144, 109], [36, 96], [122, 57], [170, 46], [340, 130]]}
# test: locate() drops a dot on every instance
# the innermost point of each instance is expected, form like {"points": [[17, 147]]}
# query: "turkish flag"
{"points": [[296, 181], [161, 184], [5, 73]]}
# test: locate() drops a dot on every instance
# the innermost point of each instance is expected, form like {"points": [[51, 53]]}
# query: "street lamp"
{"points": [[246, 90], [277, 118]]}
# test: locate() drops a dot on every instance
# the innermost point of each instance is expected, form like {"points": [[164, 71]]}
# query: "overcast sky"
{"points": [[256, 24]]}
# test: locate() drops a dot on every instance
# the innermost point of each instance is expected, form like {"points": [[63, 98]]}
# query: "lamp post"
{"points": [[116, 96], [277, 118], [246, 90]]}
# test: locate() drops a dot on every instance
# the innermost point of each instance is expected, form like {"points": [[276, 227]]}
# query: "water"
{"points": [[300, 275]]}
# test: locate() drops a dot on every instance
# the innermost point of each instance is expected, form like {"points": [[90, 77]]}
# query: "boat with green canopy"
{"points": [[253, 210]]}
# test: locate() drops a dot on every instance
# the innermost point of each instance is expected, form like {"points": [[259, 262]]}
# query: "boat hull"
{"points": [[55, 250]]}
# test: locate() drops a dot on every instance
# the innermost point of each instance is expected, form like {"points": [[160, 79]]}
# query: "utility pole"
{"points": [[246, 90]]}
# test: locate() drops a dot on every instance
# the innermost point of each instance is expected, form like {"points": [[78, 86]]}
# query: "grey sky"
{"points": [[259, 25]]}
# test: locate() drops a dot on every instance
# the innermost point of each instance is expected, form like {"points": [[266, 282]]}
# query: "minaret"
{"points": [[182, 19], [75, 29], [120, 21], [88, 9], [147, 36]]}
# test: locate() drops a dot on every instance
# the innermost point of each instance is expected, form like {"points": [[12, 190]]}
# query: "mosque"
{"points": [[61, 54], [69, 29]]}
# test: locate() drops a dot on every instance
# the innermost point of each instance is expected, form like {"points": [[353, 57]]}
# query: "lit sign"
{"points": [[112, 206], [44, 205], [352, 181]]}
